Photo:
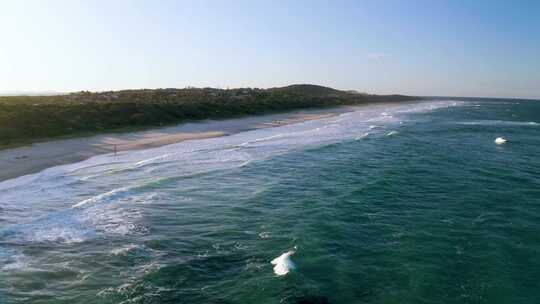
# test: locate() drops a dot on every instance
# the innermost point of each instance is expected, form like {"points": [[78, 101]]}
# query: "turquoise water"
{"points": [[410, 203]]}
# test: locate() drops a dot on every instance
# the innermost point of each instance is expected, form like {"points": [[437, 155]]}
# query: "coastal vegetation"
{"points": [[26, 119]]}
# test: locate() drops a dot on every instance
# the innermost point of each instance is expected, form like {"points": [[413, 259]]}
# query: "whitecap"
{"points": [[149, 268], [124, 250], [17, 264], [264, 235], [152, 159], [391, 133], [259, 140], [100, 213], [107, 195], [61, 227], [362, 136], [13, 261], [76, 225], [500, 140], [283, 263], [498, 123]]}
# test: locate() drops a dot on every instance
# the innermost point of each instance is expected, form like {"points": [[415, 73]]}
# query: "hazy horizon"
{"points": [[52, 93], [421, 48]]}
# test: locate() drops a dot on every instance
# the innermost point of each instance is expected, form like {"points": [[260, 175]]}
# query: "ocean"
{"points": [[390, 203]]}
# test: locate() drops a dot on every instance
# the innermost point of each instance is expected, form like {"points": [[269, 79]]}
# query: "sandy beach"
{"points": [[36, 157]]}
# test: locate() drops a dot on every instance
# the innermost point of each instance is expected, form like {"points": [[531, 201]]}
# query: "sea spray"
{"points": [[283, 263]]}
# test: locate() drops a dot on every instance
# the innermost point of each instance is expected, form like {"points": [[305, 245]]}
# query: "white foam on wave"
{"points": [[499, 123], [112, 194], [16, 262], [283, 263], [124, 250], [152, 159], [259, 140], [113, 220], [362, 136], [12, 260], [292, 135], [500, 140], [423, 107], [151, 197], [59, 227], [75, 228], [99, 215], [392, 133], [57, 234]]}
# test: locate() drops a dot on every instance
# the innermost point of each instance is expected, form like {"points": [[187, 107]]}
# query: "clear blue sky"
{"points": [[454, 48]]}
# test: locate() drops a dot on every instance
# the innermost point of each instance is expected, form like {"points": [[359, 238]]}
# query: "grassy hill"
{"points": [[309, 90], [26, 119]]}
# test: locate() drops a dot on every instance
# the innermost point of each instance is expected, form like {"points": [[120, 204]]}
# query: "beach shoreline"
{"points": [[16, 162]]}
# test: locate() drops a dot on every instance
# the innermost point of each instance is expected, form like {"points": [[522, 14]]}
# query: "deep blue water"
{"points": [[410, 203]]}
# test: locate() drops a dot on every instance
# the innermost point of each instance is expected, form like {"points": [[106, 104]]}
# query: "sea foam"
{"points": [[124, 250], [283, 263], [500, 140], [101, 196], [500, 123]]}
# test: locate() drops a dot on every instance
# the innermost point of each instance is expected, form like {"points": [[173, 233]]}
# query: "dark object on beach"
{"points": [[313, 300]]}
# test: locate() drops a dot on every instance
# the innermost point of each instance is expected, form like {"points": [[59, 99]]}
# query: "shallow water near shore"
{"points": [[402, 203]]}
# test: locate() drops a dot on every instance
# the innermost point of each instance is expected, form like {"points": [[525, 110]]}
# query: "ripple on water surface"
{"points": [[421, 215]]}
